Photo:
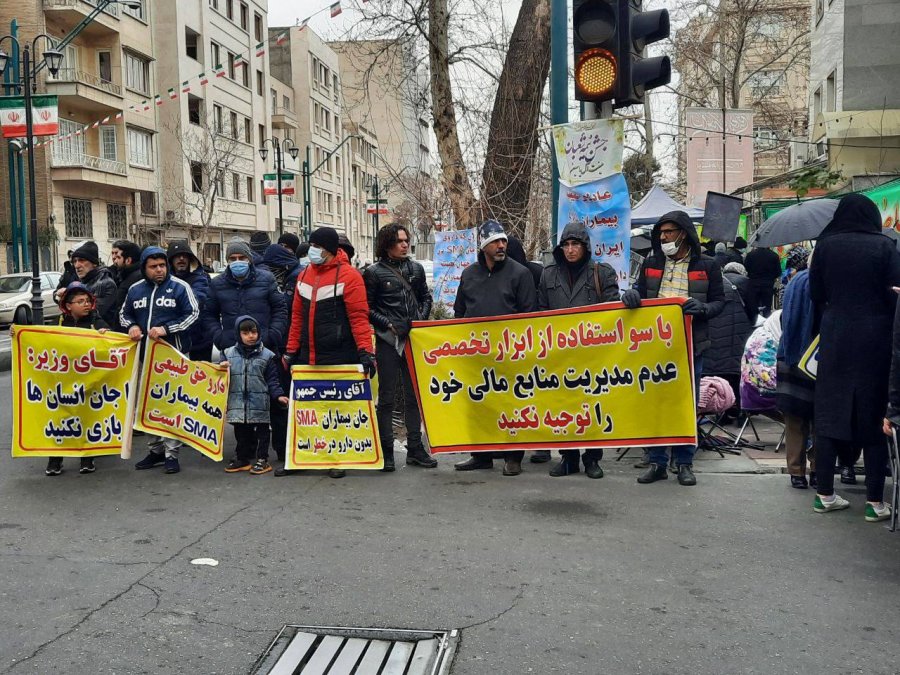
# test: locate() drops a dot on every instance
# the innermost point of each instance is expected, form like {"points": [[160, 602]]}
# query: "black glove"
{"points": [[693, 307], [289, 359], [631, 299], [368, 362]]}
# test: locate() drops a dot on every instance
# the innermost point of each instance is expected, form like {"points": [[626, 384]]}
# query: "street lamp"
{"points": [[372, 185], [53, 59], [280, 146]]}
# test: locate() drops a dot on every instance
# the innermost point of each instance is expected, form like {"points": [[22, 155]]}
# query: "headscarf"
{"points": [[735, 268], [855, 213], [797, 258]]}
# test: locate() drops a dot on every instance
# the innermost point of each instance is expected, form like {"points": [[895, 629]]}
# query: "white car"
{"points": [[15, 297], [429, 271]]}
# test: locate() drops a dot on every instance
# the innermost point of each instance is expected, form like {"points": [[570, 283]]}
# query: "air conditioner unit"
{"points": [[170, 216]]}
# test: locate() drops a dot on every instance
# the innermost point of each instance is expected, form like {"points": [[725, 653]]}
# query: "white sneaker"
{"points": [[823, 504], [876, 512]]}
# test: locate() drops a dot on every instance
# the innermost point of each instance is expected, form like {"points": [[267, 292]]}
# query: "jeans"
{"points": [[682, 454], [391, 367], [252, 441], [278, 416], [170, 446]]}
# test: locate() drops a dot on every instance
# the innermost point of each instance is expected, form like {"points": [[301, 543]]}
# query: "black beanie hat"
{"points": [[259, 242], [88, 251], [325, 237], [303, 249], [291, 240]]}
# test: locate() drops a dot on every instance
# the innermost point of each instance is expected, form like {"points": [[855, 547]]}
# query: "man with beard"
{"points": [[98, 280], [186, 266], [126, 269]]}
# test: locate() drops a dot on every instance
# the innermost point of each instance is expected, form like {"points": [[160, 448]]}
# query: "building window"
{"points": [[235, 186], [831, 92], [116, 221], [817, 103], [79, 220], [195, 109], [108, 149], [148, 203], [140, 148], [274, 96], [765, 83], [286, 102], [192, 44], [137, 73], [229, 9], [217, 118], [220, 183], [216, 54], [262, 134], [250, 189], [196, 177], [262, 191], [260, 83], [230, 66], [104, 65], [212, 252], [245, 16], [136, 12], [245, 74], [234, 125], [214, 4], [247, 139], [764, 139], [257, 27]]}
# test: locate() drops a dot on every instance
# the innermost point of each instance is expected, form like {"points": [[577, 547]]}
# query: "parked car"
{"points": [[429, 270], [15, 297]]}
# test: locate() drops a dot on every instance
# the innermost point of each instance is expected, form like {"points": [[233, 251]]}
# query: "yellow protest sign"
{"points": [[71, 392], [809, 362], [183, 399], [332, 420], [576, 378]]}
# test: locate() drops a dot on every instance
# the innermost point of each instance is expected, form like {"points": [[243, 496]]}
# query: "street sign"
{"points": [[288, 184]]}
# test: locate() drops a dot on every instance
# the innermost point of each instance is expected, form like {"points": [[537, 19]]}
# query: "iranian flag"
{"points": [[172, 93], [204, 80], [185, 87], [281, 39], [220, 70], [45, 118], [270, 184], [335, 9], [260, 49]]}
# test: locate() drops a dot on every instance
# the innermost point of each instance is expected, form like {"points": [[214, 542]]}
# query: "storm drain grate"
{"points": [[324, 650]]}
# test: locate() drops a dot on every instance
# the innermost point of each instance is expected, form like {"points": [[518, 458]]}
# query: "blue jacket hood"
{"points": [[278, 256], [155, 252], [237, 333]]}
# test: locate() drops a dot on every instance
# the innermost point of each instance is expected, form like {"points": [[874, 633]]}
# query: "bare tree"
{"points": [[204, 152]]}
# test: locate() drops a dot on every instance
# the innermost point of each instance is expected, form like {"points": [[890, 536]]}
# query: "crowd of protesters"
{"points": [[755, 314]]}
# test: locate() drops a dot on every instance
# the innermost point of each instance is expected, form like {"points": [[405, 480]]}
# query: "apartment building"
{"points": [[854, 90], [310, 68], [210, 132], [98, 179]]}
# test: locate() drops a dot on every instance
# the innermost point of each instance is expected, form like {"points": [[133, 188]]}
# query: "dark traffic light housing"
{"points": [[608, 40]]}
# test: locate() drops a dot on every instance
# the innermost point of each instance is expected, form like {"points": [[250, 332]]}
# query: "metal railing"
{"points": [[83, 161], [287, 112], [111, 9], [74, 75]]}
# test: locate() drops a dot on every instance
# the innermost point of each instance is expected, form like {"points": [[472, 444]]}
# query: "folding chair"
{"points": [[894, 453], [753, 404]]}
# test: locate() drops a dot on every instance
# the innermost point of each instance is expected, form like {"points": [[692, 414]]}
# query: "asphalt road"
{"points": [[736, 575]]}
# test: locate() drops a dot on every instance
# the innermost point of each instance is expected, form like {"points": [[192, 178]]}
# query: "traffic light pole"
{"points": [[559, 95]]}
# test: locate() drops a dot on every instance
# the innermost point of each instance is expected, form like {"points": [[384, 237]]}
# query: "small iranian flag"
{"points": [[145, 105], [45, 117], [270, 184], [260, 49], [157, 99], [95, 124], [119, 116], [104, 120], [240, 62], [172, 93], [335, 9], [204, 80], [281, 39], [185, 87], [220, 70]]}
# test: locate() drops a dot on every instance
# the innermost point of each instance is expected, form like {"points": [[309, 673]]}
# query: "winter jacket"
{"points": [[90, 322], [100, 283], [797, 318], [197, 278], [125, 279], [704, 277], [392, 302], [253, 382], [68, 275], [170, 305], [763, 264], [559, 290], [255, 295], [508, 288], [285, 267], [516, 251], [850, 280], [330, 320], [728, 332]]}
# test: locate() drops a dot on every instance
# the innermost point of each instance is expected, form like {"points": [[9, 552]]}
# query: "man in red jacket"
{"points": [[330, 314]]}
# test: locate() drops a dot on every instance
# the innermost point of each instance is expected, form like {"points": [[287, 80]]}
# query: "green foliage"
{"points": [[639, 170], [817, 178], [438, 312]]}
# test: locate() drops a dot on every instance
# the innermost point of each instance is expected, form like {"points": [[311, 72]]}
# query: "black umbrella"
{"points": [[801, 222]]}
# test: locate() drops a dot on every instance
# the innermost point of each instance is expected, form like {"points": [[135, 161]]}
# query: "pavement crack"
{"points": [[138, 582], [512, 605]]}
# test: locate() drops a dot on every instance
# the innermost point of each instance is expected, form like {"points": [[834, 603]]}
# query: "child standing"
{"points": [[79, 310], [253, 385]]}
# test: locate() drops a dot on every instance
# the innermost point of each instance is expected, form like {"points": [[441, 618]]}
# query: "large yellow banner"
{"points": [[72, 392], [600, 376], [183, 399], [332, 420]]}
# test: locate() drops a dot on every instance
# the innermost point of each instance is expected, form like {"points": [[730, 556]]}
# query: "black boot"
{"points": [[418, 456], [848, 475], [564, 467], [540, 456], [475, 462], [592, 468], [388, 458], [686, 475], [653, 473]]}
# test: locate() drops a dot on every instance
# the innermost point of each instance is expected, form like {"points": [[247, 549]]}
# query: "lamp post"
{"points": [[280, 146], [53, 59], [374, 187]]}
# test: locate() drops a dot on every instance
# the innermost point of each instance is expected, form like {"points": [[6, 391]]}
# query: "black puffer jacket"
{"points": [[390, 301], [728, 332], [100, 283], [558, 290], [704, 277], [126, 277]]}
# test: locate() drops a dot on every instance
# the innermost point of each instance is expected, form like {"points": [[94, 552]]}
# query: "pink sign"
{"points": [[706, 152]]}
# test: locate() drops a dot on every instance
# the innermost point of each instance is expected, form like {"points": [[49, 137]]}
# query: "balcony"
{"points": [[86, 91], [284, 118], [71, 12], [82, 161]]}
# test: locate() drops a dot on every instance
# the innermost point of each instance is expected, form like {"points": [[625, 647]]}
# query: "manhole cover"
{"points": [[323, 650]]}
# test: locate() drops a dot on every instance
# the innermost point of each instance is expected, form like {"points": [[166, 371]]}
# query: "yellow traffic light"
{"points": [[595, 72]]}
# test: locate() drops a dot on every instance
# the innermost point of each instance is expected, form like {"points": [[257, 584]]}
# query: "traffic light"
{"points": [[595, 42], [637, 74]]}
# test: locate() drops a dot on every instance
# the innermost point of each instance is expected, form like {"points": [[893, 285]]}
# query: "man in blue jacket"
{"points": [[186, 266], [161, 307]]}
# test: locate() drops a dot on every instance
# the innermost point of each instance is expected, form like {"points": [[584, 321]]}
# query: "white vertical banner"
{"points": [[588, 151]]}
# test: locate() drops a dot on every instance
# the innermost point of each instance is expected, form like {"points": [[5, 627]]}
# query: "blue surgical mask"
{"points": [[316, 256], [304, 261], [239, 268]]}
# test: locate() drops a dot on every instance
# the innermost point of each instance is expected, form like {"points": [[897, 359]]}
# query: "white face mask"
{"points": [[315, 255], [670, 248]]}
